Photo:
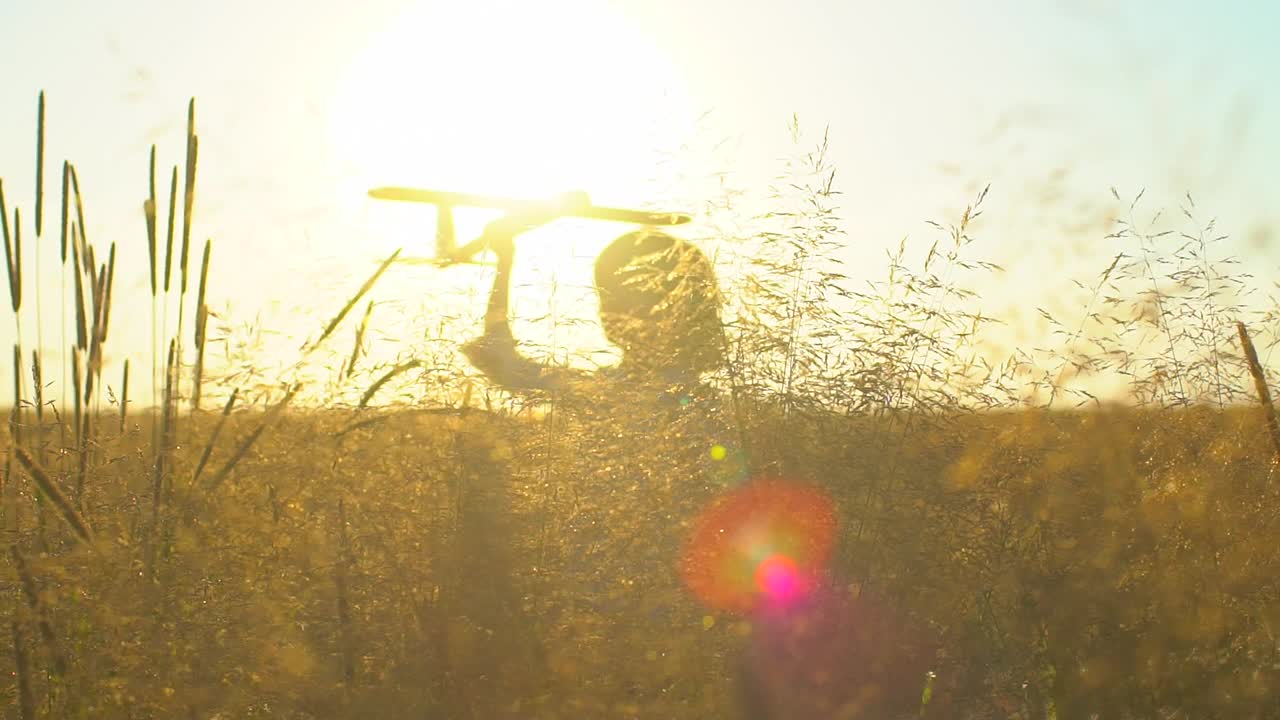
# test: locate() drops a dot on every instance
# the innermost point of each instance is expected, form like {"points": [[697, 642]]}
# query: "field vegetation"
{"points": [[351, 538]]}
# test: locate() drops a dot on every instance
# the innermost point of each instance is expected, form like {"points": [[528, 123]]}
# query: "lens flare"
{"points": [[763, 545], [778, 579]]}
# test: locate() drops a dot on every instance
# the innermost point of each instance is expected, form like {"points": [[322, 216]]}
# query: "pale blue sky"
{"points": [[1052, 102]]}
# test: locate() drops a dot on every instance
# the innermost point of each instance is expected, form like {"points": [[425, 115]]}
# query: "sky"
{"points": [[301, 106]]}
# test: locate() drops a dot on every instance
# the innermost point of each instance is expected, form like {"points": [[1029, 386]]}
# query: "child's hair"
{"points": [[660, 290]]}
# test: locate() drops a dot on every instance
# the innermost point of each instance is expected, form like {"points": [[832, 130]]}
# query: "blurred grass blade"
{"points": [[66, 197], [22, 668], [82, 326], [75, 192], [50, 490], [272, 415], [202, 319], [40, 165], [213, 438], [359, 341], [124, 395], [189, 188], [12, 252], [368, 284], [149, 212], [1260, 383], [168, 240], [386, 377]]}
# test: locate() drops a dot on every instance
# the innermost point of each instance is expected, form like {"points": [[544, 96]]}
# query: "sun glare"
{"points": [[509, 98], [517, 99]]}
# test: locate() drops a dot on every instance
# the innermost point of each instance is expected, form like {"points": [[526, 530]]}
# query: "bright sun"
{"points": [[508, 98], [511, 98]]}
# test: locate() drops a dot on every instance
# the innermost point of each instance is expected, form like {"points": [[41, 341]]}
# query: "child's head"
{"points": [[659, 302]]}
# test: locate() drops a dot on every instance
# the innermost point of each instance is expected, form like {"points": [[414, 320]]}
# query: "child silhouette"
{"points": [[658, 303], [644, 430]]}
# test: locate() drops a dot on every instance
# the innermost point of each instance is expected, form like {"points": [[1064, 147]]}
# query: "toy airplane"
{"points": [[447, 250]]}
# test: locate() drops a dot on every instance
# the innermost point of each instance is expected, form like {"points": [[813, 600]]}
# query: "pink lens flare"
{"points": [[779, 580], [764, 544]]}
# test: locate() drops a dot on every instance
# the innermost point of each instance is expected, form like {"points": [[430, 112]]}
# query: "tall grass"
{"points": [[1161, 316], [417, 543]]}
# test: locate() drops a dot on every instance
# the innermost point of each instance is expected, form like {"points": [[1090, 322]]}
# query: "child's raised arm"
{"points": [[495, 353]]}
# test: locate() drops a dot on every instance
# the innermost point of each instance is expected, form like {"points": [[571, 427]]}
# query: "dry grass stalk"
{"points": [[15, 285], [158, 441], [62, 277], [94, 368], [8, 494], [360, 424], [10, 500], [82, 326], [189, 187], [99, 290], [15, 413], [88, 257], [213, 437], [162, 447], [39, 164], [106, 293], [359, 342], [162, 442], [66, 197], [168, 240], [76, 405], [32, 594], [13, 266], [149, 212], [272, 415], [80, 406], [202, 317], [26, 701], [50, 490], [37, 386], [124, 395], [1260, 382], [75, 192], [368, 284], [12, 252], [344, 605], [82, 459], [39, 198], [384, 379]]}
